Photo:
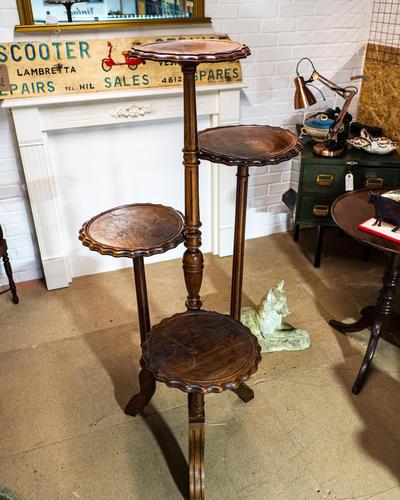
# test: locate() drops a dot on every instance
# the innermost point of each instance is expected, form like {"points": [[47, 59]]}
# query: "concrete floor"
{"points": [[69, 362]]}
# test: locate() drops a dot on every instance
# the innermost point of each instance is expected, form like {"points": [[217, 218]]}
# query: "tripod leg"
{"points": [[196, 446]]}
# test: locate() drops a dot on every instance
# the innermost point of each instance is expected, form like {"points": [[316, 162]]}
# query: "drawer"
{"points": [[374, 177], [324, 179], [314, 209]]}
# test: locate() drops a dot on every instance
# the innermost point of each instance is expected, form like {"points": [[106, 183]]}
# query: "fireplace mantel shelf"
{"points": [[114, 95]]}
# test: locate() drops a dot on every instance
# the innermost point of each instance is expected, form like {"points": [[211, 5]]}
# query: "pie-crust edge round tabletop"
{"points": [[166, 51]]}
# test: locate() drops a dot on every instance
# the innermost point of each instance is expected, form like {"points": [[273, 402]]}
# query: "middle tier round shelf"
{"points": [[136, 230], [248, 145]]}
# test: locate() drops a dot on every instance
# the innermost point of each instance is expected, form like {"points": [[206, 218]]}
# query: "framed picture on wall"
{"points": [[39, 15]]}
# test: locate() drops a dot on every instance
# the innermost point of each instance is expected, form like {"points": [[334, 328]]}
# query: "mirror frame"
{"points": [[28, 24]]}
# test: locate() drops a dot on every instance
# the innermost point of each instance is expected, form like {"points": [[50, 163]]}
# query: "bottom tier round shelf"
{"points": [[201, 351]]}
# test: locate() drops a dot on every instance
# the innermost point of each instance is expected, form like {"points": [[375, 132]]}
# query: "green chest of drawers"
{"points": [[322, 180]]}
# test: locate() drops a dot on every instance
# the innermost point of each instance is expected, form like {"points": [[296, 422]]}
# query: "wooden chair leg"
{"points": [[196, 446], [147, 382], [7, 267]]}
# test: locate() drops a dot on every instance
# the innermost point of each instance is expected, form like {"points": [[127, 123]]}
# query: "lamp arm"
{"points": [[339, 120], [346, 93], [332, 86]]}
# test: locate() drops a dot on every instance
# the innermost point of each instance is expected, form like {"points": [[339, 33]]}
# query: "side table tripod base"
{"points": [[381, 319], [348, 211]]}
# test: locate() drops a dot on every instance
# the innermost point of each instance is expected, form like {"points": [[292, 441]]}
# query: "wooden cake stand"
{"points": [[197, 351]]}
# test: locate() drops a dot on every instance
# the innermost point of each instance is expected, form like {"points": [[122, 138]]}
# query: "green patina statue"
{"points": [[266, 321]]}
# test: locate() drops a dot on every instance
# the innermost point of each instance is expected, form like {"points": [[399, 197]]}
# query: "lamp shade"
{"points": [[303, 97]]}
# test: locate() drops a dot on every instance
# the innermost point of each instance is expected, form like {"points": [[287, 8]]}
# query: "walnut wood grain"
{"points": [[191, 51], [201, 351], [140, 229], [248, 145]]}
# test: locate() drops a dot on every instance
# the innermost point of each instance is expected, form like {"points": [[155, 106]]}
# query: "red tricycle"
{"points": [[132, 62]]}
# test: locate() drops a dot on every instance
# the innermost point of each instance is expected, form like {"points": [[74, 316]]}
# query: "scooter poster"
{"points": [[62, 67]]}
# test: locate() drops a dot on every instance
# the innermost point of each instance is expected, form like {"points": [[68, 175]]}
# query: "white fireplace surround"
{"points": [[38, 120], [34, 118]]}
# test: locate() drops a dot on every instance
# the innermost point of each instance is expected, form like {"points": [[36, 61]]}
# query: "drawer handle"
{"points": [[374, 182], [351, 163], [324, 180], [321, 210]]}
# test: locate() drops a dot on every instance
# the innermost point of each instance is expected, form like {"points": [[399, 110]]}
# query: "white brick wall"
{"points": [[331, 32]]}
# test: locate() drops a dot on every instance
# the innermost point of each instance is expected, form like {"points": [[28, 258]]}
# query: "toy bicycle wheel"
{"points": [[105, 66]]}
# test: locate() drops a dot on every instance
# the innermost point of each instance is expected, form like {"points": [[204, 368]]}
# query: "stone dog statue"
{"points": [[266, 321]]}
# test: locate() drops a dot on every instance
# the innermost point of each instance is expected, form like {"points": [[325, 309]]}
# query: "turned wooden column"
{"points": [[238, 247], [192, 258]]}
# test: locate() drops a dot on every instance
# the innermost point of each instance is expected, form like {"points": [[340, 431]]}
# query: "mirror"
{"points": [[88, 14]]}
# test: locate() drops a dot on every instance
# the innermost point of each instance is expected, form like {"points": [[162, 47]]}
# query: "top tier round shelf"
{"points": [[248, 145], [137, 230], [192, 51]]}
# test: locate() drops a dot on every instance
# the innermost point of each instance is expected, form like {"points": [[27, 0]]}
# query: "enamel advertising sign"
{"points": [[60, 67]]}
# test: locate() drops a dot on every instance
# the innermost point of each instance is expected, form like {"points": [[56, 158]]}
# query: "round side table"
{"points": [[348, 211], [245, 146]]}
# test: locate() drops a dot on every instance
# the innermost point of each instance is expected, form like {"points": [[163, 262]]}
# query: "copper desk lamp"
{"points": [[303, 98]]}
